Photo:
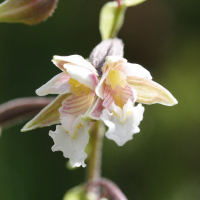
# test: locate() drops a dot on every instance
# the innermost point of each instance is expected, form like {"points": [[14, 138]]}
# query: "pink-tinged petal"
{"points": [[59, 61], [82, 75], [48, 116], [95, 110], [150, 92], [74, 149], [108, 96], [120, 95], [133, 70], [128, 93], [57, 85], [72, 107], [26, 11], [99, 90]]}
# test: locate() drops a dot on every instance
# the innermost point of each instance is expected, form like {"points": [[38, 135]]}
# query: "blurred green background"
{"points": [[162, 162]]}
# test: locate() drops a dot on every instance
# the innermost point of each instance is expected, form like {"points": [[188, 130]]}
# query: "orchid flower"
{"points": [[76, 88], [83, 97], [121, 85]]}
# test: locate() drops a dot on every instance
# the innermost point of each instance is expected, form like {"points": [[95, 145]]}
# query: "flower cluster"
{"points": [[85, 97]]}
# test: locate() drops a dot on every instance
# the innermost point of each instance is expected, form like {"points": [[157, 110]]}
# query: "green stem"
{"points": [[94, 165], [114, 31]]}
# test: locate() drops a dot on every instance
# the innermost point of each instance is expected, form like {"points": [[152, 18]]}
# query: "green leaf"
{"points": [[26, 11], [111, 19], [132, 2], [47, 116]]}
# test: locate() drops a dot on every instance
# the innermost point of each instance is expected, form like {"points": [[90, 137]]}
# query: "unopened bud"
{"points": [[26, 11]]}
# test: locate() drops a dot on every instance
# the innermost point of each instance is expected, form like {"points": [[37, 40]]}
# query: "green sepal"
{"points": [[26, 11], [150, 92], [47, 116], [111, 19]]}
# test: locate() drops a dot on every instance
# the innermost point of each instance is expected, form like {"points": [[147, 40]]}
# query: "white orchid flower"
{"points": [[76, 89], [121, 85], [83, 97]]}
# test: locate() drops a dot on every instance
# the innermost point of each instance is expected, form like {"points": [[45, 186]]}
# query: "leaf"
{"points": [[48, 116], [132, 2], [26, 11], [111, 19]]}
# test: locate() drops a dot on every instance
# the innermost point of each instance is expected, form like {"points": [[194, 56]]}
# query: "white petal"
{"points": [[71, 108], [130, 69], [82, 75], [74, 149], [122, 124], [99, 90], [57, 85], [59, 61]]}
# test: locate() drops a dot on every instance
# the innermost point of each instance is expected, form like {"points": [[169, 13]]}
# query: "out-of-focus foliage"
{"points": [[162, 161]]}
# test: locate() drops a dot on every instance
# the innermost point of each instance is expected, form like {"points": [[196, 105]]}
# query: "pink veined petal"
{"points": [[75, 105], [57, 85], [82, 75], [128, 93], [122, 93], [95, 109], [130, 69], [72, 107], [59, 61], [108, 96]]}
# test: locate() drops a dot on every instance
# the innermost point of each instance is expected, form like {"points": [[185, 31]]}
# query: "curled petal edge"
{"points": [[59, 61]]}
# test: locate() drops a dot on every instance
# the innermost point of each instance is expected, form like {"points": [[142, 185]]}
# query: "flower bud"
{"points": [[26, 11]]}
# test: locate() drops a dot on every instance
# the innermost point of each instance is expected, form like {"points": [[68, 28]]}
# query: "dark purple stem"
{"points": [[18, 110]]}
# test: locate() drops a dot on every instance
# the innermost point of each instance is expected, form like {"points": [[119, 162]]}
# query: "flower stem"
{"points": [[119, 2], [94, 165], [117, 20]]}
